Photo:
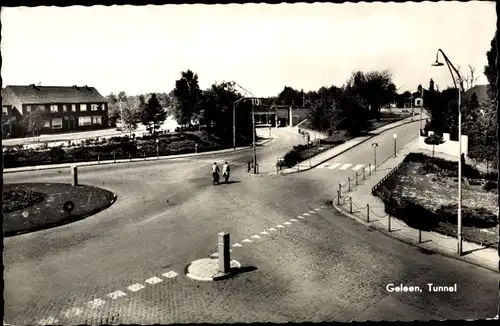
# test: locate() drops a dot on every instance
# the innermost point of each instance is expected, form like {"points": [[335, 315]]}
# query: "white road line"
{"points": [[301, 217], [135, 287], [317, 209], [357, 167], [170, 274], [280, 226], [312, 212], [294, 220], [306, 214], [322, 206], [49, 321], [116, 294], [154, 280], [72, 312], [96, 303], [272, 229], [345, 166], [324, 165], [264, 232], [246, 240], [237, 245], [334, 166], [255, 236], [287, 223]]}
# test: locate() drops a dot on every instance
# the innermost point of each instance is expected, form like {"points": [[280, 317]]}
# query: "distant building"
{"points": [[64, 108]]}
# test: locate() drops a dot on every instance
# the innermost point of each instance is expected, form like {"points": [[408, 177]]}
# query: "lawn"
{"points": [[423, 194], [34, 206]]}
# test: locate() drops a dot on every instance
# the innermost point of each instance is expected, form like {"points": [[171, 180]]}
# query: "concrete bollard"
{"points": [[74, 175], [419, 236], [144, 153], [369, 169], [348, 184], [350, 205], [367, 212], [114, 157], [98, 159], [356, 178], [389, 223], [224, 253], [338, 197], [364, 176], [340, 190], [129, 157]]}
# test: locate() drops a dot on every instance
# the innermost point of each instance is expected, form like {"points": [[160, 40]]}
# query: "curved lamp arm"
{"points": [[244, 89], [450, 67]]}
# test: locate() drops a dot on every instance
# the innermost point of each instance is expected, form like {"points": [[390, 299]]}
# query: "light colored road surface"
{"points": [[317, 267]]}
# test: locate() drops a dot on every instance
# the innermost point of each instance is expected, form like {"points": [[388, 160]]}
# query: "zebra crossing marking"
{"points": [[345, 166], [333, 166], [357, 167]]}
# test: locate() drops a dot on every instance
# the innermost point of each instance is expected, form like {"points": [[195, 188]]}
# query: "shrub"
{"points": [[478, 217], [490, 185], [291, 158], [57, 154]]}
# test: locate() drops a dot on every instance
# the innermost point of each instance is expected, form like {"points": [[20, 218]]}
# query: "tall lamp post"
{"points": [[395, 137], [234, 120], [460, 89], [253, 128], [375, 145]]}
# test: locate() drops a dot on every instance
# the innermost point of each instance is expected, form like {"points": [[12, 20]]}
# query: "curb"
{"points": [[209, 279], [408, 242], [62, 222], [109, 162], [349, 148]]}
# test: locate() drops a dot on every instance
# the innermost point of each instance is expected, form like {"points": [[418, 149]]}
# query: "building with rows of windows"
{"points": [[63, 108]]}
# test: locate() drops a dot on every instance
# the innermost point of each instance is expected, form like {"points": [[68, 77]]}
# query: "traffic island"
{"points": [[29, 207], [207, 269]]}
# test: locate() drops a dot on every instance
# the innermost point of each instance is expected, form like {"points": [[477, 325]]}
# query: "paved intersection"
{"points": [[321, 266]]}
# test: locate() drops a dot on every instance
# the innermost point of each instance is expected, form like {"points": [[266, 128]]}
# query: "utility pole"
{"points": [[421, 107], [253, 137]]}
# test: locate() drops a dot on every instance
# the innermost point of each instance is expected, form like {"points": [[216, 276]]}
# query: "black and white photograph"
{"points": [[250, 163]]}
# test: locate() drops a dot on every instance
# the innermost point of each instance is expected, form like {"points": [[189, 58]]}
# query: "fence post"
{"points": [[348, 184], [356, 178], [338, 197], [419, 236], [350, 205], [389, 222], [367, 212], [114, 156], [364, 177], [340, 190]]}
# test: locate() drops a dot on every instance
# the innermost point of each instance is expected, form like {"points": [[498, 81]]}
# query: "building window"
{"points": [[93, 107], [57, 123], [73, 107], [65, 107], [41, 108], [83, 107], [5, 110], [54, 108], [96, 120], [28, 108], [47, 124], [84, 121], [102, 107]]}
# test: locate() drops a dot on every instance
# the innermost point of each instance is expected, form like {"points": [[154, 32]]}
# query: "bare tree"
{"points": [[470, 79]]}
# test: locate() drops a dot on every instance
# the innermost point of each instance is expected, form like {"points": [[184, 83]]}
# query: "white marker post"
{"points": [[224, 258], [74, 175]]}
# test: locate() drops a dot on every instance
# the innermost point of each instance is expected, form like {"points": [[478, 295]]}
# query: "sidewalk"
{"points": [[154, 158], [370, 211], [338, 150]]}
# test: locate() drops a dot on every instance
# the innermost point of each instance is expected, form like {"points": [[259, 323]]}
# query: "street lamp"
{"points": [[375, 145], [253, 129], [234, 120], [157, 149], [460, 89], [394, 136]]}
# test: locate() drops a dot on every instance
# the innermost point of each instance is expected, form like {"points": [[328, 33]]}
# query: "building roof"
{"points": [[56, 94]]}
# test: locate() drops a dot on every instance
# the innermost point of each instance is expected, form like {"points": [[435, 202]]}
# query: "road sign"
{"points": [[256, 101]]}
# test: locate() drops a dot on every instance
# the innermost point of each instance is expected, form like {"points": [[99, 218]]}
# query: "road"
{"points": [[168, 214]]}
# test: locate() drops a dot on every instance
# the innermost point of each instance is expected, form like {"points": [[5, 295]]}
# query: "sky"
{"points": [[261, 47]]}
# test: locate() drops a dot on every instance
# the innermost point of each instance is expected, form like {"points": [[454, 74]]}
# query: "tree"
{"points": [[351, 114], [490, 70], [419, 89], [131, 110], [113, 109], [375, 88], [323, 113], [434, 139], [187, 94], [35, 122], [153, 115], [290, 96]]}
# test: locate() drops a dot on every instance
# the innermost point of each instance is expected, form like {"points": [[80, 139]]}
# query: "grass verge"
{"points": [[423, 194], [29, 213]]}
